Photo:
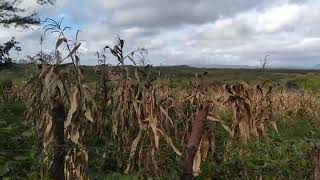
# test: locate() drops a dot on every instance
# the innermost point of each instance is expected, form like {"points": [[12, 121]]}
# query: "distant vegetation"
{"points": [[306, 79]]}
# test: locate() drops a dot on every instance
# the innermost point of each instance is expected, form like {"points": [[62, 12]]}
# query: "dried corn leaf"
{"points": [[169, 141], [153, 125], [274, 125], [133, 148], [196, 163], [166, 114], [73, 51], [73, 108], [204, 147], [60, 41], [225, 127], [48, 133], [88, 115], [75, 136]]}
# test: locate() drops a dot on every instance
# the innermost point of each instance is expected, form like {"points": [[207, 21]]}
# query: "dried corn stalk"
{"points": [[136, 111], [62, 83]]}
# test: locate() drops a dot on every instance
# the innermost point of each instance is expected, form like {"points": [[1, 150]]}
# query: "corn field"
{"points": [[146, 126]]}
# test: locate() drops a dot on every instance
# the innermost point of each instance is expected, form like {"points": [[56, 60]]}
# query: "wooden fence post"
{"points": [[193, 143], [59, 116]]}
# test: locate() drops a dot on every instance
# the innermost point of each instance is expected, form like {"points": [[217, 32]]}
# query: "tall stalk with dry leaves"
{"points": [[137, 116], [59, 86]]}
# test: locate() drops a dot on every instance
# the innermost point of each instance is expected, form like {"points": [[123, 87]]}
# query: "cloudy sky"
{"points": [[187, 32]]}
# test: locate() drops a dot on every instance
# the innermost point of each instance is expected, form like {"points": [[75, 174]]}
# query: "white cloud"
{"points": [[191, 32]]}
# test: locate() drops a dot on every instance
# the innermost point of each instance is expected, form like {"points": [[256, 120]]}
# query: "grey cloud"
{"points": [[193, 32], [164, 13]]}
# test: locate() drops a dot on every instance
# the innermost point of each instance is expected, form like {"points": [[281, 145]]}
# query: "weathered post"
{"points": [[193, 143], [59, 115]]}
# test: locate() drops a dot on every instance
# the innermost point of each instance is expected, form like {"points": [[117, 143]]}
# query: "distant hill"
{"points": [[227, 66], [316, 66]]}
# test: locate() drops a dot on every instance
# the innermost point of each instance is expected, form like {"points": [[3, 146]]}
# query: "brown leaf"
{"points": [[153, 125], [274, 125], [133, 148], [73, 108], [196, 163], [227, 128], [73, 51], [88, 115], [60, 41], [169, 141], [166, 114]]}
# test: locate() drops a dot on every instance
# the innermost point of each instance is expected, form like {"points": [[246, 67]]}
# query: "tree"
{"points": [[5, 59], [263, 63], [10, 13]]}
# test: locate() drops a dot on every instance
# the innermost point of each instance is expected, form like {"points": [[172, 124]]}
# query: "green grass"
{"points": [[277, 156], [16, 158], [15, 73], [310, 82]]}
